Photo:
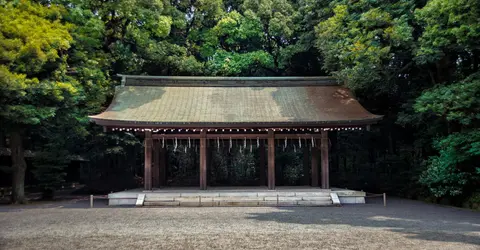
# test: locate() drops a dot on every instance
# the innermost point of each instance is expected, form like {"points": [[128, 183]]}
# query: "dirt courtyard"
{"points": [[403, 224]]}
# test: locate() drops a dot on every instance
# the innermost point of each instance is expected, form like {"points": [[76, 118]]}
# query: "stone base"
{"points": [[282, 196], [352, 200]]}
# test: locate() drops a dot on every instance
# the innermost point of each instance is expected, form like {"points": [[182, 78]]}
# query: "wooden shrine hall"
{"points": [[209, 109]]}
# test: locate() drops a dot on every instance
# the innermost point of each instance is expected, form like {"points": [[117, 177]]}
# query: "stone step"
{"points": [[315, 203], [317, 198], [160, 199], [237, 204], [162, 203], [238, 198], [236, 194], [273, 198], [241, 201]]}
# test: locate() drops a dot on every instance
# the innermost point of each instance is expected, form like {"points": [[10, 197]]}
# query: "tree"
{"points": [[32, 45], [367, 43], [450, 42], [456, 167]]}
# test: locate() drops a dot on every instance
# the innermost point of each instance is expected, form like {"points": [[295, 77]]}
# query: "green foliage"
{"points": [[361, 40], [473, 201], [457, 102], [31, 41], [456, 168], [48, 170], [235, 64], [31, 36], [448, 26]]}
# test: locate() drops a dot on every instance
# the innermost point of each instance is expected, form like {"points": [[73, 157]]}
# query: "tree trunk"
{"points": [[19, 167]]}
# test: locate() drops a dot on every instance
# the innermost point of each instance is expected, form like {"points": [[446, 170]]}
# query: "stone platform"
{"points": [[237, 196]]}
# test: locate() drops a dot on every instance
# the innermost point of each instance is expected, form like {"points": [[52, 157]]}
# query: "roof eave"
{"points": [[137, 124]]}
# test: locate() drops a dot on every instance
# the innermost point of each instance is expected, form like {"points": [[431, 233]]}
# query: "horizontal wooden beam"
{"points": [[173, 136], [296, 136], [235, 136]]}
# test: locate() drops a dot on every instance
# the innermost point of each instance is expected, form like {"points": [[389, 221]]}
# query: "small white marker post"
{"points": [[91, 201], [384, 199]]}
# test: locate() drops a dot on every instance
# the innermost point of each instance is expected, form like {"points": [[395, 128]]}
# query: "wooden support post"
{"points": [[306, 166], [325, 167], [156, 164], [148, 161], [261, 154], [271, 160], [203, 161], [315, 165], [163, 167]]}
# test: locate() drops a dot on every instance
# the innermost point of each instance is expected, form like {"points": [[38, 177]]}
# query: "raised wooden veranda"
{"points": [[233, 108]]}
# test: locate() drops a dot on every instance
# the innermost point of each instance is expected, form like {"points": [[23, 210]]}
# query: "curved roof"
{"points": [[166, 102]]}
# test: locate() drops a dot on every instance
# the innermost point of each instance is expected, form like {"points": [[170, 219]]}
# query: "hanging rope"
{"points": [[285, 145], [294, 148], [189, 144], [299, 142], [251, 145], [175, 145], [218, 144], [185, 148], [230, 144], [163, 142], [313, 143], [258, 142]]}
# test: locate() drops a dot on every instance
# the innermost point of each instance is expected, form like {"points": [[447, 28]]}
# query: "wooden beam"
{"points": [[173, 136], [325, 167], [235, 136], [261, 162], [148, 161], [314, 170], [296, 136], [271, 160], [203, 161], [156, 164]]}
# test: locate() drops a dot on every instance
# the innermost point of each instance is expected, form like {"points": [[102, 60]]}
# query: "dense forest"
{"points": [[414, 61]]}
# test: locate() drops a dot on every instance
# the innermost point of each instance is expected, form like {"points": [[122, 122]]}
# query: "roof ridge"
{"points": [[214, 81]]}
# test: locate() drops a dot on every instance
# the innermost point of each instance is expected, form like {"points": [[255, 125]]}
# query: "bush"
{"points": [[473, 201]]}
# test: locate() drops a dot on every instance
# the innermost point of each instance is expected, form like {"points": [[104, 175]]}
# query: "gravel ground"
{"points": [[403, 224]]}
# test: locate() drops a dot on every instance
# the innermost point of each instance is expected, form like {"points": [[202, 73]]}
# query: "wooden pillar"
{"points": [[147, 181], [271, 160], [324, 152], [156, 164], [203, 160], [209, 159], [163, 167], [306, 166], [261, 154], [315, 165]]}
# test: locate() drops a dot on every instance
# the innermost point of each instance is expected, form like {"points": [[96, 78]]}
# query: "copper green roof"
{"points": [[232, 102]]}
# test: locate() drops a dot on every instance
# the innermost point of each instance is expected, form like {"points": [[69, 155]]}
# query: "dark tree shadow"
{"points": [[416, 219]]}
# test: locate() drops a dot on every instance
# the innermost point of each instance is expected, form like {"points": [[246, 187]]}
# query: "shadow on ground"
{"points": [[415, 219]]}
